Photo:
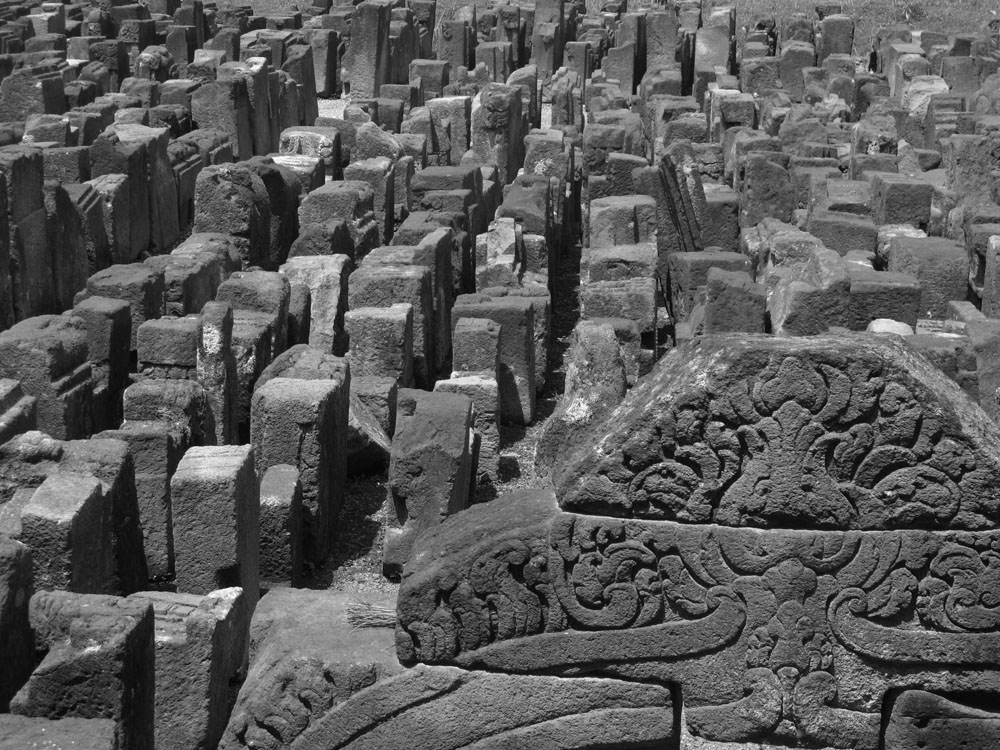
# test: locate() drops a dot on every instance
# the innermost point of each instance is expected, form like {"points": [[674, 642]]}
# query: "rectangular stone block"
{"points": [[940, 265], [382, 342], [16, 639], [326, 277], [67, 526], [382, 285], [476, 344], [201, 644], [516, 373], [734, 303], [484, 392], [281, 532], [897, 199], [429, 470], [140, 285], [689, 271], [216, 369], [48, 355], [181, 403], [215, 501], [156, 449], [303, 423], [379, 396], [100, 655], [168, 347]]}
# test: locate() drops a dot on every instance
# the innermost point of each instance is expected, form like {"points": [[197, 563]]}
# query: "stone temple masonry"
{"points": [[406, 374]]}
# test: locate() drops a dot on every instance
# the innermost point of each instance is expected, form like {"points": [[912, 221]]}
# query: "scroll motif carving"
{"points": [[780, 438], [962, 592]]}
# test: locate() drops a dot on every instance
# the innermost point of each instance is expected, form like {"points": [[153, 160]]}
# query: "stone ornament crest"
{"points": [[789, 534]]}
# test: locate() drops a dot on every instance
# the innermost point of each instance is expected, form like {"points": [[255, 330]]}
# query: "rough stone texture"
{"points": [[431, 707], [48, 354], [86, 734], [595, 383], [305, 659], [18, 411], [156, 448], [99, 664], [863, 497], [787, 486], [29, 459], [16, 639], [367, 444], [215, 500], [281, 534], [201, 643], [303, 423], [429, 468], [67, 526], [921, 719]]}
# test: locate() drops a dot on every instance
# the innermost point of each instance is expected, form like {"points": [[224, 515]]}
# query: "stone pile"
{"points": [[768, 503]]}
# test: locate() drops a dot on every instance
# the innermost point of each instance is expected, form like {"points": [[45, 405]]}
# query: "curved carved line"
{"points": [[676, 640], [888, 644], [755, 715]]}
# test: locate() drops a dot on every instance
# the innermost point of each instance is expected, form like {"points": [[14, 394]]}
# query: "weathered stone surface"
{"points": [[882, 473], [810, 632], [367, 444], [201, 643], [431, 707], [99, 663], [921, 719], [67, 525], [29, 459], [16, 638], [48, 354], [86, 734], [430, 467], [281, 533], [305, 660], [595, 383], [215, 500], [303, 423]]}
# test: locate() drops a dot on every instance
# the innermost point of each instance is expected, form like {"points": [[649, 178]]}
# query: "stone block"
{"points": [[326, 277], [897, 199], [141, 285], [168, 347], [430, 468], [215, 500], [156, 448], [18, 411], [99, 662], [382, 342], [16, 639], [940, 265], [48, 355], [281, 531], [485, 395], [303, 423], [733, 302], [216, 370], [181, 403], [516, 372], [201, 644], [384, 285], [265, 292]]}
